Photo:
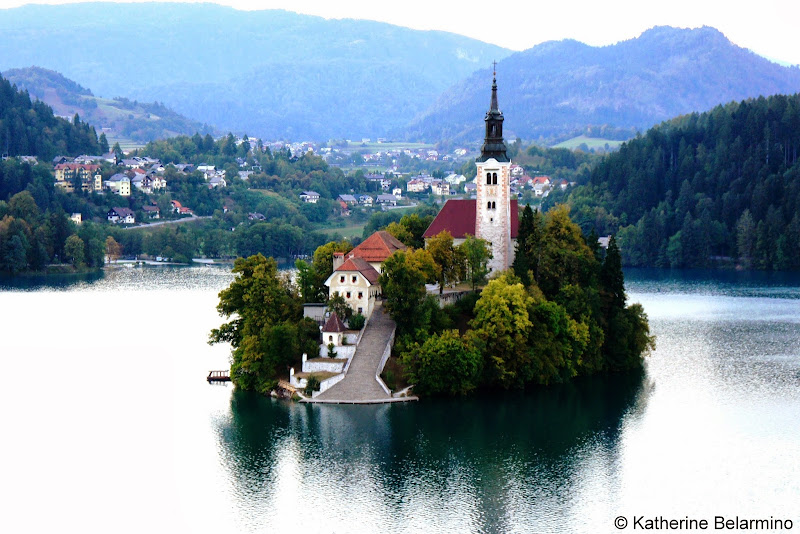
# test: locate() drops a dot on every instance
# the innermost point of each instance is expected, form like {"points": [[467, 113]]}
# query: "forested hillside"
{"points": [[124, 118], [704, 189], [29, 128]]}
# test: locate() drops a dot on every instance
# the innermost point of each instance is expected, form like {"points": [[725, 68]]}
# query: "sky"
{"points": [[767, 27]]}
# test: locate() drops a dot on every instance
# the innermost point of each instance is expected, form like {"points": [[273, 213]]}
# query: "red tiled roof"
{"points": [[377, 247], [458, 217], [360, 265], [334, 324]]}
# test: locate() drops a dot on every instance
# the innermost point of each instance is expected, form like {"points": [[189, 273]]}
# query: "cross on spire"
{"points": [[494, 68]]}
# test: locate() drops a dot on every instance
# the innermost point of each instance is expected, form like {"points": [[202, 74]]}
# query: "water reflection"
{"points": [[495, 463]]}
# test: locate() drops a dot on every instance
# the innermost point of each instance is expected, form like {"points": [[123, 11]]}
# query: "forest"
{"points": [[714, 189], [29, 128]]}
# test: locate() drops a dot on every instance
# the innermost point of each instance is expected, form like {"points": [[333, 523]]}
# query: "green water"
{"points": [[111, 427]]}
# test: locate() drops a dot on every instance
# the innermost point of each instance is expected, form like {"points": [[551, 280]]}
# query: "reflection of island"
{"points": [[488, 464]]}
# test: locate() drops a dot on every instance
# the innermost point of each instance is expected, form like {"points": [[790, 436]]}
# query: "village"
{"points": [[392, 188]]}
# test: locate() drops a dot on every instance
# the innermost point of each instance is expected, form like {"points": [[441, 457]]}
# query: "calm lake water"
{"points": [[109, 425]]}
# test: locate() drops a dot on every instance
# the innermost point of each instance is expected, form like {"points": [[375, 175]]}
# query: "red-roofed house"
{"points": [[374, 249], [356, 273], [357, 281]]}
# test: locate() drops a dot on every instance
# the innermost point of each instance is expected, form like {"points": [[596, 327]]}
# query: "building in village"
{"points": [[493, 215], [356, 273]]}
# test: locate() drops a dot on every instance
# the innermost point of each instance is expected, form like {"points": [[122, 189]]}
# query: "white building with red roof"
{"points": [[493, 215], [356, 273]]}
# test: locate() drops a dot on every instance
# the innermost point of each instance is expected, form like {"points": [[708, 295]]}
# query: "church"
{"points": [[493, 215]]}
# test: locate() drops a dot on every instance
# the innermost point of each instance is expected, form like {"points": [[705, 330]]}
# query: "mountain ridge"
{"points": [[560, 87]]}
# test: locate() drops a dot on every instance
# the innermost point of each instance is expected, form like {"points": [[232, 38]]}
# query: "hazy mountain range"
{"points": [[560, 87], [270, 73], [278, 74]]}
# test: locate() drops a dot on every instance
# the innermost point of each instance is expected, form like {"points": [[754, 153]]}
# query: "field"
{"points": [[591, 142], [350, 231]]}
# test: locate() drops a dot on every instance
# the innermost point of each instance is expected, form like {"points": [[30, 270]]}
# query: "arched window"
{"points": [[488, 178], [494, 205], [488, 205], [494, 178]]}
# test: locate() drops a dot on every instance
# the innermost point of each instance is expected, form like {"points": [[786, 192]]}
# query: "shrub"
{"points": [[312, 385], [357, 321]]}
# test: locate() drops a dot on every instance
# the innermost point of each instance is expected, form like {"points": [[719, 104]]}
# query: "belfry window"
{"points": [[494, 205], [494, 178], [488, 178], [488, 205]]}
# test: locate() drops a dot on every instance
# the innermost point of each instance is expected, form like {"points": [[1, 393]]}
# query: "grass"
{"points": [[591, 142], [349, 231]]}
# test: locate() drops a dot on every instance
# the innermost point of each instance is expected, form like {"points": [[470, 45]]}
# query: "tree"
{"points": [[305, 281], [118, 154], [449, 260], [502, 326], [74, 250], [445, 364], [266, 329], [113, 249], [103, 143], [612, 281], [323, 266], [338, 305], [746, 238], [403, 278], [477, 255]]}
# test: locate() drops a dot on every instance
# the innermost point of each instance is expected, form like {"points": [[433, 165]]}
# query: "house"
{"points": [[333, 331], [67, 172], [416, 185], [157, 183], [179, 209], [374, 249], [256, 217], [540, 185], [387, 199], [563, 184], [217, 181], [77, 218], [141, 182], [119, 184], [365, 200], [455, 179], [357, 281], [440, 188], [309, 196], [348, 199], [152, 212], [121, 215], [398, 193]]}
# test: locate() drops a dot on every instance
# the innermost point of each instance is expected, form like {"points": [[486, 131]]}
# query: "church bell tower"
{"points": [[493, 209]]}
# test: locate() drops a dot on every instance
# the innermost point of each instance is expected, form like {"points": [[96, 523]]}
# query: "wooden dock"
{"points": [[219, 376]]}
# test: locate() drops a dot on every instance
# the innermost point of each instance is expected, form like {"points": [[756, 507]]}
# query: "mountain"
{"points": [[138, 121], [267, 73], [559, 88]]}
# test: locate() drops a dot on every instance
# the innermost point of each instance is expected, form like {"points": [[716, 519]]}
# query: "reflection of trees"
{"points": [[491, 461], [49, 281]]}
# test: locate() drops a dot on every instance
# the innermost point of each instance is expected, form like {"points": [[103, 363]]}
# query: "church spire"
{"points": [[493, 145], [493, 106]]}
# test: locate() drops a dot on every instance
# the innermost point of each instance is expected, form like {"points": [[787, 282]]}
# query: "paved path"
{"points": [[359, 385]]}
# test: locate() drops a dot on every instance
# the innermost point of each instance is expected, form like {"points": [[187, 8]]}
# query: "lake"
{"points": [[110, 426]]}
